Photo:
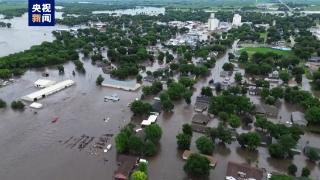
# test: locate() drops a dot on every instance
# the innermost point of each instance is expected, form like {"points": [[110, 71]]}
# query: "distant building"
{"points": [[315, 59], [236, 20], [213, 23], [237, 171]]}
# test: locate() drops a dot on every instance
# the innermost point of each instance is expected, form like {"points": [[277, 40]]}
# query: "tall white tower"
{"points": [[236, 20], [213, 23]]}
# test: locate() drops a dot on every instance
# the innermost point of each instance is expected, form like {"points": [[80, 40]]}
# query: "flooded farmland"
{"points": [[32, 147]]}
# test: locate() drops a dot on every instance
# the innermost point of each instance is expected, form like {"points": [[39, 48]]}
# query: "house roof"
{"points": [[200, 119], [199, 128], [156, 106], [269, 110], [236, 169], [203, 99], [126, 164], [298, 118]]}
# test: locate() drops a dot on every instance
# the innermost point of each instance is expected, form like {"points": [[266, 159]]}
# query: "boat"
{"points": [[54, 120]]}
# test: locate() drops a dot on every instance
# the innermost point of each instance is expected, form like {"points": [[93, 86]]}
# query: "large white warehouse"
{"points": [[35, 96]]}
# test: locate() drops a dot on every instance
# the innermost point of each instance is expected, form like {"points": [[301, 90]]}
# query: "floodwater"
{"points": [[21, 37], [151, 11], [31, 146]]}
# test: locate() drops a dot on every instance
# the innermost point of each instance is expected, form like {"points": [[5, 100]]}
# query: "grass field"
{"points": [[7, 6], [252, 50]]}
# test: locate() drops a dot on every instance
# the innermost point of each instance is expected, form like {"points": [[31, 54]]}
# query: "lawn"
{"points": [[7, 6], [252, 50]]}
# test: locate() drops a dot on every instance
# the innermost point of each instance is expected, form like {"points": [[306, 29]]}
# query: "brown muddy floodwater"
{"points": [[32, 148]]}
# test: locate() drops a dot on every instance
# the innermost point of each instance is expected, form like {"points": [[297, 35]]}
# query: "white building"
{"points": [[236, 20], [151, 119], [213, 23], [48, 91], [43, 83]]}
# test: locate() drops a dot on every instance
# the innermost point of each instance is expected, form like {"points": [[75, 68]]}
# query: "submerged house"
{"points": [[202, 103], [126, 165], [200, 119], [236, 171], [298, 118], [266, 110]]}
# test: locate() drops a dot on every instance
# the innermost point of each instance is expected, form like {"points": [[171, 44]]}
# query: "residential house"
{"points": [[298, 118], [202, 103], [126, 165], [236, 171], [200, 119]]}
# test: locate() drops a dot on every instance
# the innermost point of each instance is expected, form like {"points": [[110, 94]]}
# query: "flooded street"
{"points": [[32, 146]]}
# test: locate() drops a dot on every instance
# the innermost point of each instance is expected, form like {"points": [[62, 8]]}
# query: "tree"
{"points": [[187, 129], [3, 104], [238, 77], [251, 140], [284, 76], [140, 108], [298, 78], [153, 133], [99, 80], [60, 69], [276, 151], [122, 141], [312, 115], [223, 134], [138, 175], [176, 91], [187, 96], [143, 167], [149, 148], [187, 82], [292, 169], [167, 105], [313, 155], [205, 145], [183, 141], [223, 116], [135, 145], [161, 56], [228, 66], [287, 142], [17, 105], [197, 165], [234, 121], [281, 177], [206, 91], [139, 78], [305, 172], [244, 57]]}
